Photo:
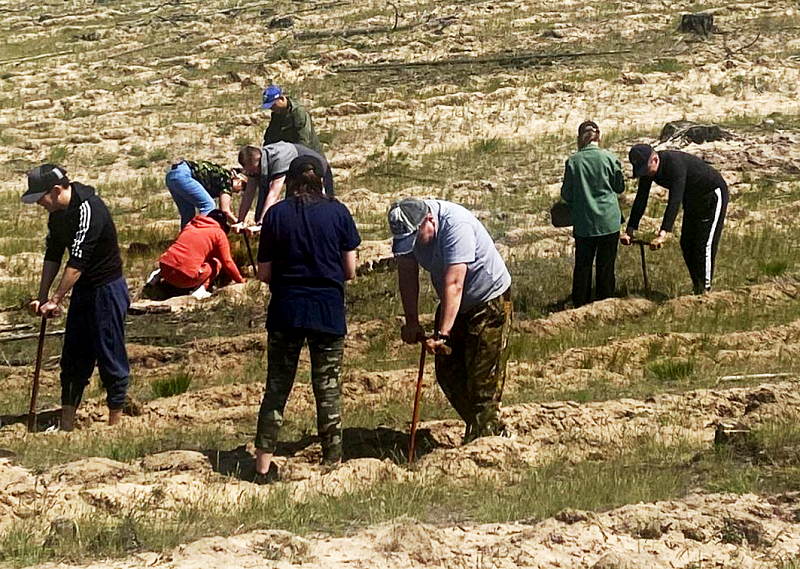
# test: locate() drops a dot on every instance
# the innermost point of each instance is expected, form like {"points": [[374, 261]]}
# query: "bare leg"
{"points": [[114, 416], [68, 417], [263, 461]]}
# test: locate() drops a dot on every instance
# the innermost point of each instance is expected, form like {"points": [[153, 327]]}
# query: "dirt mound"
{"points": [[177, 461], [89, 472], [613, 310], [766, 293], [540, 432], [713, 530], [630, 357], [604, 311]]}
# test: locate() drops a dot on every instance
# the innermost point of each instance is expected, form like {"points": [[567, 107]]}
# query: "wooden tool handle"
{"points": [[37, 369]]}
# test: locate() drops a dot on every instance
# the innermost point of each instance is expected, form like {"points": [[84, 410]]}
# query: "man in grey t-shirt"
{"points": [[474, 315], [267, 167]]}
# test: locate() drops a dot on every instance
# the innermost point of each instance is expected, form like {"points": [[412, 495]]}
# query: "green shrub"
{"points": [[173, 385], [665, 65], [139, 162], [671, 369], [158, 154], [105, 159]]}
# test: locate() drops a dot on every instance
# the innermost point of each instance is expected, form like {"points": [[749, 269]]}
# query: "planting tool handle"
{"points": [[37, 369], [644, 269], [250, 254], [417, 397]]}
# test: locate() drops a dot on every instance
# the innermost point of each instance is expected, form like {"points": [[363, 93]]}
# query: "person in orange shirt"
{"points": [[199, 254]]}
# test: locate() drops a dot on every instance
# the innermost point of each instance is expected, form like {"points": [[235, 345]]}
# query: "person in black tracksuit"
{"points": [[704, 195], [81, 224]]}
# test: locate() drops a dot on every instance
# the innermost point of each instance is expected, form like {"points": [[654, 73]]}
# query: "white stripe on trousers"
{"points": [[710, 241]]}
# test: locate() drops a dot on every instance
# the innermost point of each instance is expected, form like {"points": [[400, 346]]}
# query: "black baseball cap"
{"points": [[42, 179], [639, 156], [405, 217]]}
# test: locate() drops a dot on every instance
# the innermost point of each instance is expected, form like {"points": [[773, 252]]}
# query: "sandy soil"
{"points": [[136, 78]]}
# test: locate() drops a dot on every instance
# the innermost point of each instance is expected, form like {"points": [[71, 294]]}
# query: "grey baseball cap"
{"points": [[41, 180], [405, 217]]}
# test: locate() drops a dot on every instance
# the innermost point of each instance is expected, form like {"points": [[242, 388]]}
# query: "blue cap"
{"points": [[271, 94]]}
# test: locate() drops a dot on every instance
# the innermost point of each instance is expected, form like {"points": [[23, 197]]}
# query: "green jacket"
{"points": [[294, 125], [592, 179]]}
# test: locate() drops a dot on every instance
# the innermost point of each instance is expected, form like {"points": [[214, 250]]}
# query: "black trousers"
{"points": [[587, 249], [95, 334], [700, 235]]}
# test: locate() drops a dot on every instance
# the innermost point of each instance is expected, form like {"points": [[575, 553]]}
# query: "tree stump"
{"points": [[692, 132], [701, 24]]}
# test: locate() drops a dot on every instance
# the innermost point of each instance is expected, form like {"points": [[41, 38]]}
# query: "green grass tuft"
{"points": [[173, 385]]}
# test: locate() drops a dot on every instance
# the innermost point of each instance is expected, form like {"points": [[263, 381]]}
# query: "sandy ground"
{"points": [[110, 96]]}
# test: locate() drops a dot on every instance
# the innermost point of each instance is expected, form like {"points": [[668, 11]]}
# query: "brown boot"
{"points": [[114, 416]]}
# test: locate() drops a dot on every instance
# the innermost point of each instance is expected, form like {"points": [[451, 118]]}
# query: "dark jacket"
{"points": [[689, 180], [293, 125], [87, 230]]}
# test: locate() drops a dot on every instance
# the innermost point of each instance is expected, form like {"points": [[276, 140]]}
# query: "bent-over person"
{"points": [[267, 168], [473, 319], [200, 254], [81, 224], [194, 185], [703, 193]]}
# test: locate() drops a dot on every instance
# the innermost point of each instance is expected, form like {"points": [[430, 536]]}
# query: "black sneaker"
{"points": [[269, 477]]}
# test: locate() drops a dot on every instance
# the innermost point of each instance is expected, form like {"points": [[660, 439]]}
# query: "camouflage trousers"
{"points": [[473, 375], [283, 352]]}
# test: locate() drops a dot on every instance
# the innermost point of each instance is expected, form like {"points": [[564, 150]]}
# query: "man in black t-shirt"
{"points": [[704, 195], [95, 331]]}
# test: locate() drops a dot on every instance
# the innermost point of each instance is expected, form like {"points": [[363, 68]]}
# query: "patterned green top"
{"points": [[213, 177]]}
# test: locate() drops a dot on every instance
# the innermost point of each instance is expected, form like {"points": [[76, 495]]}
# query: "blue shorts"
{"points": [[95, 334]]}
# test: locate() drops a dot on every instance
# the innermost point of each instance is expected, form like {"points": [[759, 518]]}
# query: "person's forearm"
{"points": [[273, 194], [232, 270], [225, 205], [408, 280], [453, 292], [49, 273], [349, 265], [68, 280], [671, 213], [247, 198]]}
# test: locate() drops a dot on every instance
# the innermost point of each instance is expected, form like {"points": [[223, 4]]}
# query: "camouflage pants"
{"points": [[473, 375], [283, 352]]}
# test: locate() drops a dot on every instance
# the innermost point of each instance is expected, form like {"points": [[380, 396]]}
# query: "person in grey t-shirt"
{"points": [[267, 167], [474, 315]]}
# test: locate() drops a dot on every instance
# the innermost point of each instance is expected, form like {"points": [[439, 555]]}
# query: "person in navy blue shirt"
{"points": [[307, 251]]}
